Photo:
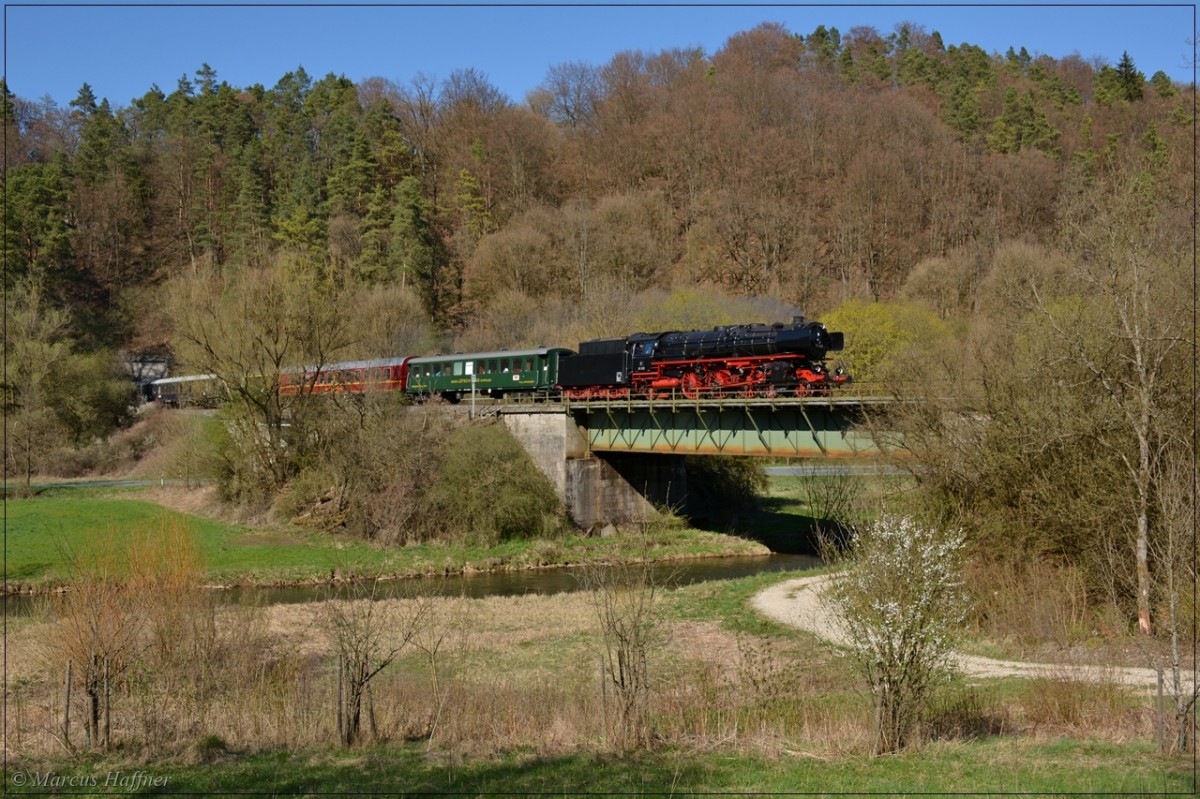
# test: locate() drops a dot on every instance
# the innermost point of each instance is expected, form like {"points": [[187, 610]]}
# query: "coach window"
{"points": [[529, 364]]}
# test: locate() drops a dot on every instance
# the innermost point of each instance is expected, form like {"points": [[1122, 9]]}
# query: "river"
{"points": [[485, 584]]}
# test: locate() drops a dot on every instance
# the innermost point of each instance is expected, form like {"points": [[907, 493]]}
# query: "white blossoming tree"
{"points": [[899, 603]]}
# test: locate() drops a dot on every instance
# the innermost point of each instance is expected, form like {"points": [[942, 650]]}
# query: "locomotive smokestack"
{"points": [[798, 320]]}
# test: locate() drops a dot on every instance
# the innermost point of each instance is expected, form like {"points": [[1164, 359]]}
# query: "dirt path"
{"points": [[797, 603]]}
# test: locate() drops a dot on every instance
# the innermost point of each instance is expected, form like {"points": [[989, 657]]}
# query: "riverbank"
{"points": [[44, 534]]}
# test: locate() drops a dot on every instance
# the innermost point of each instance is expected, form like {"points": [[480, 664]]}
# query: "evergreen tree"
{"points": [[375, 232], [1085, 158], [847, 66], [84, 102], [1107, 88], [1022, 124], [824, 45], [1156, 149], [1131, 81], [390, 151], [961, 110], [206, 76], [1162, 84], [37, 243], [352, 180], [252, 210], [416, 256], [917, 68]]}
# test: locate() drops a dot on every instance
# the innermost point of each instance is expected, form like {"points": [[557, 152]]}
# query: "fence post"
{"points": [[107, 740], [66, 729], [341, 721]]}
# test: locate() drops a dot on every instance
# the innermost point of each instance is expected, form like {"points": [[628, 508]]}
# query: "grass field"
{"points": [[1002, 766], [742, 705], [42, 534]]}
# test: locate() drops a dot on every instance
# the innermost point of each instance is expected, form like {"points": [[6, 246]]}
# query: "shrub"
{"points": [[488, 490], [898, 604]]}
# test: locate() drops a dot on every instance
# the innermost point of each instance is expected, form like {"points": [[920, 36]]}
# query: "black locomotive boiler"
{"points": [[752, 360]]}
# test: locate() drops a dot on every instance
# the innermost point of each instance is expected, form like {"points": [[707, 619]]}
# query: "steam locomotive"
{"points": [[729, 361], [751, 360]]}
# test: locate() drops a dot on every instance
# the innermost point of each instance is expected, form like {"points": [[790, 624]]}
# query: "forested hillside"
{"points": [[812, 168]]}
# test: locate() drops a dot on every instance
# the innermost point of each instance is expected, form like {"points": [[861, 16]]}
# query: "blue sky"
{"points": [[121, 50]]}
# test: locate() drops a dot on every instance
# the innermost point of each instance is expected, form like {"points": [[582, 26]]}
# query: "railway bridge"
{"points": [[612, 460]]}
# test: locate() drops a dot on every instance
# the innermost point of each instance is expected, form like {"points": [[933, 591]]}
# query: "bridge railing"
{"points": [[858, 394]]}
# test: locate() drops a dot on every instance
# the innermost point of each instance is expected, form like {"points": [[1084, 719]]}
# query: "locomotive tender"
{"points": [[750, 360]]}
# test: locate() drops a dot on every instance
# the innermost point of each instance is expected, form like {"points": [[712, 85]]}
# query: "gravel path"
{"points": [[797, 603]]}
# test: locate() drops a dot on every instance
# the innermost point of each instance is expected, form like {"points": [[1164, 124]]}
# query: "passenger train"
{"points": [[749, 360]]}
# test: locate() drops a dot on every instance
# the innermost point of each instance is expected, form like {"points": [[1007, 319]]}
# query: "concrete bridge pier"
{"points": [[618, 488]]}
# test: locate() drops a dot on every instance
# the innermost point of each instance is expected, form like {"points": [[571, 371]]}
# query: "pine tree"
{"points": [[1162, 84], [961, 110], [352, 177], [10, 112], [36, 234], [1131, 81], [1156, 147], [415, 257], [1107, 88], [84, 102]]}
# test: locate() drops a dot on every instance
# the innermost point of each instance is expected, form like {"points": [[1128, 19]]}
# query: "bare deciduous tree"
{"points": [[97, 634], [1123, 336], [249, 332], [1174, 553], [623, 598], [368, 637]]}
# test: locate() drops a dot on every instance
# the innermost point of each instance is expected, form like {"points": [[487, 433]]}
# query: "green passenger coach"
{"points": [[533, 372]]}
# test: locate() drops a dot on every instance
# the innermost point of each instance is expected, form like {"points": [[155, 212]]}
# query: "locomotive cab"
{"points": [[644, 350]]}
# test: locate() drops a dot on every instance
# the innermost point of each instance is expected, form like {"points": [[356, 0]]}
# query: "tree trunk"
{"points": [[1143, 535]]}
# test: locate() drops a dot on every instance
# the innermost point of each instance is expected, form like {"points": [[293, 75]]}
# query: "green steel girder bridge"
{"points": [[809, 427]]}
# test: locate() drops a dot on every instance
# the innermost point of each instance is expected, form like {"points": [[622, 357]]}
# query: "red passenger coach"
{"points": [[347, 377]]}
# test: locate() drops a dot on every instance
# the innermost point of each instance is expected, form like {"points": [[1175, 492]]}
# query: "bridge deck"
{"points": [[792, 427]]}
